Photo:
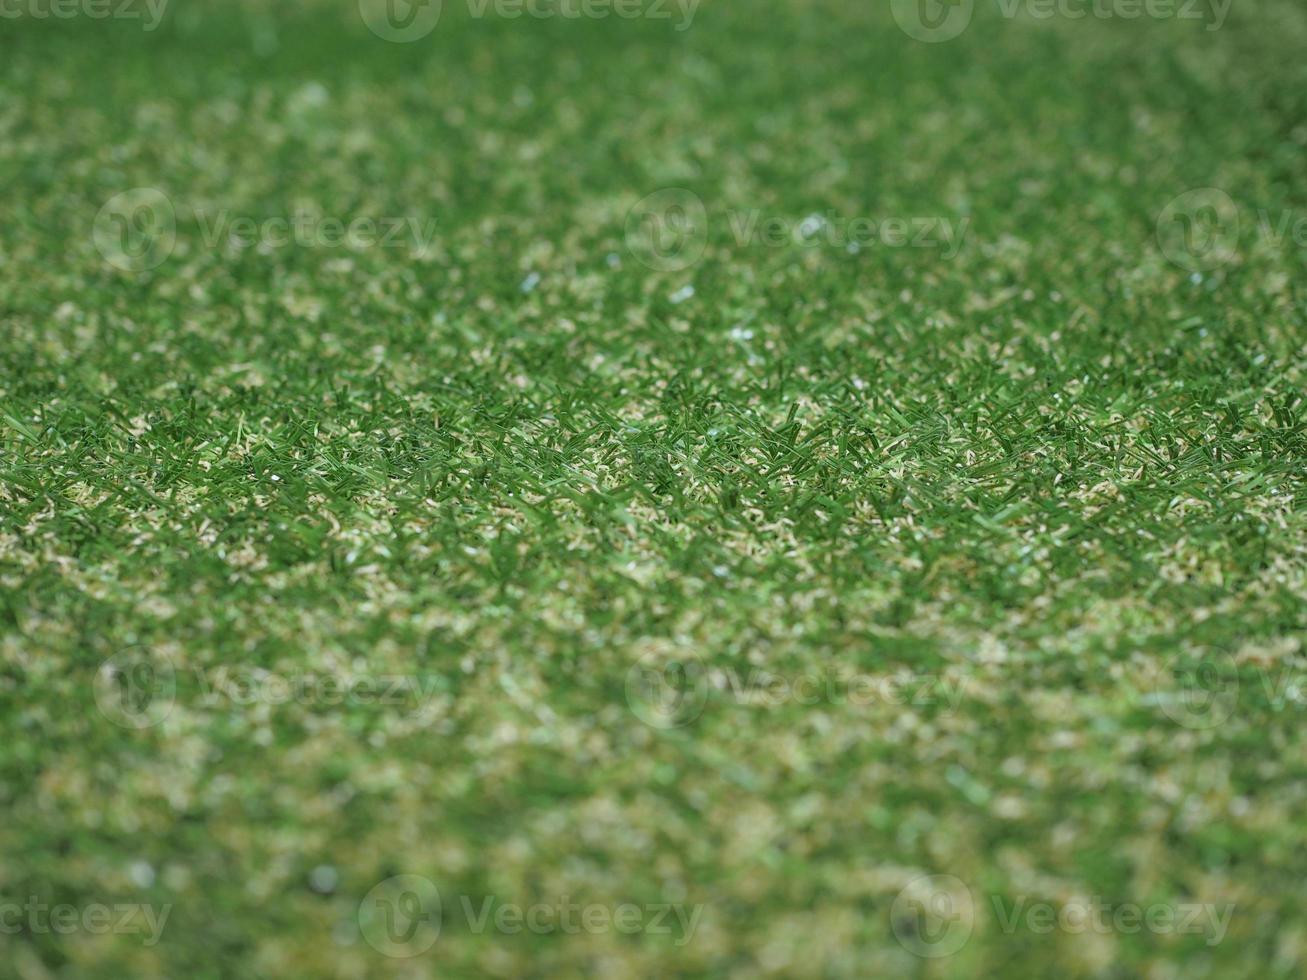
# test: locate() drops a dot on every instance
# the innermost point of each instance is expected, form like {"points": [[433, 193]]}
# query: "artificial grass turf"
{"points": [[1027, 493]]}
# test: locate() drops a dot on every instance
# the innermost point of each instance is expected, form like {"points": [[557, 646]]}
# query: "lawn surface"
{"points": [[973, 542]]}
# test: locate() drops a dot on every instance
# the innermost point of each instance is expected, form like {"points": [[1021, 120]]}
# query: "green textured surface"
{"points": [[1044, 483]]}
